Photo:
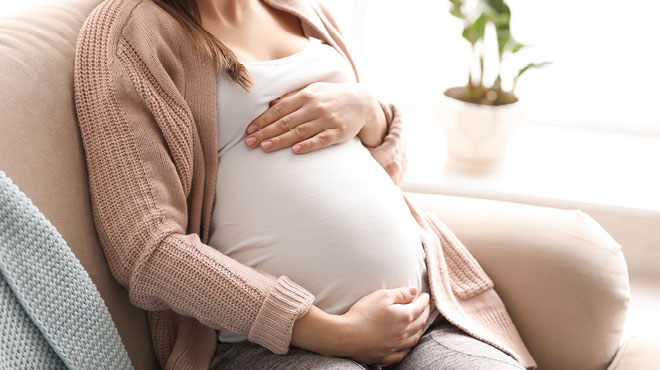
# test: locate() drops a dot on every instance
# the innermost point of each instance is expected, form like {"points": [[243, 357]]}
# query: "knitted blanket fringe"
{"points": [[51, 314]]}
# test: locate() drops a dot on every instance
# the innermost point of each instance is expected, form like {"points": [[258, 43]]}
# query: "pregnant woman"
{"points": [[246, 193]]}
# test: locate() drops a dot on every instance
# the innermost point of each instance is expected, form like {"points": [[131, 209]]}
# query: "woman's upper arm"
{"points": [[138, 148]]}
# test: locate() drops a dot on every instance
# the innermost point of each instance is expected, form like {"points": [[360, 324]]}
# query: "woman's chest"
{"points": [[272, 79]]}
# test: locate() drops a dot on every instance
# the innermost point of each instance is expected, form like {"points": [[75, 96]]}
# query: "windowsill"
{"points": [[543, 163], [612, 176]]}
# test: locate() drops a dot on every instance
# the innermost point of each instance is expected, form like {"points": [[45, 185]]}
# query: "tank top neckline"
{"points": [[289, 58]]}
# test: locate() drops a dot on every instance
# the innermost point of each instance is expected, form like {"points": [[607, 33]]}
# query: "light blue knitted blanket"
{"points": [[51, 314]]}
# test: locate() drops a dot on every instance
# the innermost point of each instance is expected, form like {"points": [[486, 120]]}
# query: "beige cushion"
{"points": [[41, 151], [560, 274]]}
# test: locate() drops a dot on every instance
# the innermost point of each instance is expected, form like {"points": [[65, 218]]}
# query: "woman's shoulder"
{"points": [[141, 23], [134, 38]]}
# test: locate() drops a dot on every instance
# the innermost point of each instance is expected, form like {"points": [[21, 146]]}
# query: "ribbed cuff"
{"points": [[391, 154], [273, 326]]}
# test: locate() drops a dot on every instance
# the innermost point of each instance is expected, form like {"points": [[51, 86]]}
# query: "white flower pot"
{"points": [[477, 135]]}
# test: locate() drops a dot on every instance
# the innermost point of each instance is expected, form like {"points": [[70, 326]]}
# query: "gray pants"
{"points": [[443, 346]]}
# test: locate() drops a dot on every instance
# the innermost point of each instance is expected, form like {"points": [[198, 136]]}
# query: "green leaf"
{"points": [[456, 9], [499, 20], [531, 66], [456, 3], [474, 31], [499, 6], [503, 39], [525, 69], [499, 14], [457, 13], [515, 46]]}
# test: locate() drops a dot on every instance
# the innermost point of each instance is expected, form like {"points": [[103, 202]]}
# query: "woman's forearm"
{"points": [[320, 332]]}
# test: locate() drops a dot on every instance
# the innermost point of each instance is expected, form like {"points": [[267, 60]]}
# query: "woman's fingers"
{"points": [[424, 315], [411, 334], [283, 107], [420, 320], [413, 339], [415, 308], [421, 303], [321, 140], [274, 133], [275, 101], [299, 135], [416, 329], [402, 295]]}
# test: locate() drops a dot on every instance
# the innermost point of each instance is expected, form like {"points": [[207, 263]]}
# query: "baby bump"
{"points": [[332, 220]]}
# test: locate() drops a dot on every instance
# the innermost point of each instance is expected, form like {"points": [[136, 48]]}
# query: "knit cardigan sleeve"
{"points": [[131, 116], [392, 153]]}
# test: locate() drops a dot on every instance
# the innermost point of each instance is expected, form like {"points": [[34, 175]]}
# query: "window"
{"points": [[605, 54]]}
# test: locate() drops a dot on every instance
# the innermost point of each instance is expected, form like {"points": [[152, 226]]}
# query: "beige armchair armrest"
{"points": [[562, 277], [637, 353]]}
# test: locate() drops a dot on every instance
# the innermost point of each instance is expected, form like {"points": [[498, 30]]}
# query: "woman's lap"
{"points": [[443, 346], [247, 355]]}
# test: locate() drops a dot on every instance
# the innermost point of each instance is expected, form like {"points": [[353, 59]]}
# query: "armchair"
{"points": [[562, 276]]}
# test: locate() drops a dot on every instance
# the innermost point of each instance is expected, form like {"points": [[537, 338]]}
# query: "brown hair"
{"points": [[187, 14]]}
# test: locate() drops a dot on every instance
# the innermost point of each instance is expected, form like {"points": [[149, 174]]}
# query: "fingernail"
{"points": [[251, 141], [266, 144], [251, 129], [413, 290], [296, 148]]}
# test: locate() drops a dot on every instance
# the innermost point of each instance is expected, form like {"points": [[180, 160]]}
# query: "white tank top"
{"points": [[332, 220]]}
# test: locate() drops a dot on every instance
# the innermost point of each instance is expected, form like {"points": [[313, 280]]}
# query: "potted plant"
{"points": [[486, 115]]}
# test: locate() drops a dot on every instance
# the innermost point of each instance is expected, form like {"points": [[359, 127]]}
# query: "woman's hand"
{"points": [[317, 116], [383, 326], [380, 328]]}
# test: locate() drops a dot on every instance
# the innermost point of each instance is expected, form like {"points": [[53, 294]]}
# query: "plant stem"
{"points": [[481, 70], [469, 89]]}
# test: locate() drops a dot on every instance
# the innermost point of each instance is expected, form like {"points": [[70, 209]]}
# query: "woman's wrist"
{"points": [[320, 332], [374, 131]]}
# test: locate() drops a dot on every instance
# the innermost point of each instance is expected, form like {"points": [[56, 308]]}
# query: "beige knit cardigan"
{"points": [[146, 107]]}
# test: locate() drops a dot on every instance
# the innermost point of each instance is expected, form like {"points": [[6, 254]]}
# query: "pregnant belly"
{"points": [[332, 220]]}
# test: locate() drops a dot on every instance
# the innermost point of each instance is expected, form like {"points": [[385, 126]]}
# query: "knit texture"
{"points": [[147, 110], [22, 344], [51, 314]]}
